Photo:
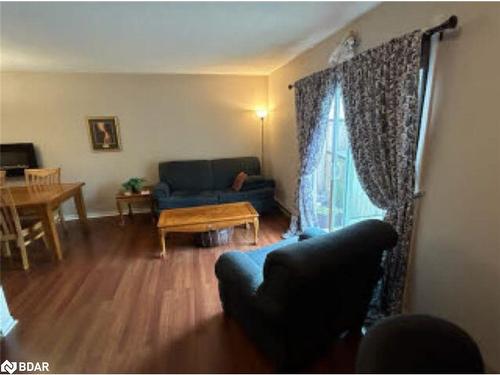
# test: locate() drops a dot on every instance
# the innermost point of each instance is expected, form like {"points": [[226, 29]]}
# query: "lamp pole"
{"points": [[262, 143], [261, 113]]}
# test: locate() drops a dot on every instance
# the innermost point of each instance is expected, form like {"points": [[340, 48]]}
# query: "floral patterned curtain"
{"points": [[381, 101], [313, 98]]}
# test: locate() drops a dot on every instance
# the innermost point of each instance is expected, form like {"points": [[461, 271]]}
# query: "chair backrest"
{"points": [[10, 225], [328, 276], [43, 176], [418, 344], [2, 177]]}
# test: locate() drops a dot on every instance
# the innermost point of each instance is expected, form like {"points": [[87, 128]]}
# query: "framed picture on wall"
{"points": [[104, 133]]}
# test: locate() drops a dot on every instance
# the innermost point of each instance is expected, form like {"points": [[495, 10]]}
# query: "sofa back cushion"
{"points": [[194, 175], [225, 170], [329, 275]]}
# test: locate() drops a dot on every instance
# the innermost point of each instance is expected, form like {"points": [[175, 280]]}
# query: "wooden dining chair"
{"points": [[43, 177], [2, 178], [12, 228]]}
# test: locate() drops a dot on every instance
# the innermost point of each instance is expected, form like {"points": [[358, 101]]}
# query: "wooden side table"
{"points": [[122, 198]]}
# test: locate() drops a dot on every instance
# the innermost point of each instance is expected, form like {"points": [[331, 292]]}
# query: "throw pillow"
{"points": [[239, 180]]}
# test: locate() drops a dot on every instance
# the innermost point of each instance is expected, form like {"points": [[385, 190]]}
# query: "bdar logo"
{"points": [[8, 366]]}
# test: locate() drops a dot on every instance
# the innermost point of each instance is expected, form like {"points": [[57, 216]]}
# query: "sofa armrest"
{"points": [[237, 269], [161, 190], [311, 233]]}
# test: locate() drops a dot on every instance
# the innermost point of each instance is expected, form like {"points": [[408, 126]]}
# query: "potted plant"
{"points": [[133, 185]]}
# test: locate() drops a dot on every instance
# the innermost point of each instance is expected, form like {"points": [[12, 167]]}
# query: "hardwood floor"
{"points": [[112, 305]]}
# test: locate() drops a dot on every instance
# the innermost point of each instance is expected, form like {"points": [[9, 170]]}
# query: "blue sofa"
{"points": [[201, 182], [295, 297]]}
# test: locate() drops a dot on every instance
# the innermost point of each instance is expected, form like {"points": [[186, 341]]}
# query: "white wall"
{"points": [[162, 117], [456, 269]]}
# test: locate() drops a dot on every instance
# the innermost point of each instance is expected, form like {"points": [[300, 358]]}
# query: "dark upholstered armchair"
{"points": [[295, 297]]}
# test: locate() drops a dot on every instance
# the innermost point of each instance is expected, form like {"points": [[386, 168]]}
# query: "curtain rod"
{"points": [[450, 23]]}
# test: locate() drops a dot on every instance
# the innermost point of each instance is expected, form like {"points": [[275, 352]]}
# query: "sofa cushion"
{"points": [[225, 170], [186, 198], [256, 182], [187, 175], [229, 195]]}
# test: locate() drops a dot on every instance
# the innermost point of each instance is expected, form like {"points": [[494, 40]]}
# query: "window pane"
{"points": [[322, 183], [342, 143], [359, 207], [339, 191], [341, 115], [338, 196], [356, 205]]}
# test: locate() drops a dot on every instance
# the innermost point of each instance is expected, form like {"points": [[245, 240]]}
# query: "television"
{"points": [[16, 157]]}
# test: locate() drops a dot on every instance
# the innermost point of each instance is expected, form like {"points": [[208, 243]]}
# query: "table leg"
{"points": [[120, 211], [130, 213], [80, 207], [162, 234], [256, 230], [49, 227]]}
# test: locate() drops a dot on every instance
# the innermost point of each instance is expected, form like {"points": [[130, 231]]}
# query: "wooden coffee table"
{"points": [[206, 218]]}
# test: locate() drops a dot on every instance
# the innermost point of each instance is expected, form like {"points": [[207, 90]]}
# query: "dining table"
{"points": [[42, 200]]}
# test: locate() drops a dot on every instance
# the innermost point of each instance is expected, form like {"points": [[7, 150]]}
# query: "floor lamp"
{"points": [[261, 113]]}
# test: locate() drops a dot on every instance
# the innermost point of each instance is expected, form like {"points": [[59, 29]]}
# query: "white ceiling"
{"points": [[165, 37]]}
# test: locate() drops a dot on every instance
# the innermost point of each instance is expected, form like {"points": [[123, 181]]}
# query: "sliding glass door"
{"points": [[339, 198]]}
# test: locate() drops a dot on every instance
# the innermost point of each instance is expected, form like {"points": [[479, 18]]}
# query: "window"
{"points": [[338, 196]]}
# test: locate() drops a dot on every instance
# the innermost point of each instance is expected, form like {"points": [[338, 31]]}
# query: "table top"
{"points": [[206, 214], [43, 194], [122, 195]]}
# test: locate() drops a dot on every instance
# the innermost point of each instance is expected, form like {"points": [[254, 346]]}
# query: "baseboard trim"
{"points": [[98, 214], [283, 208]]}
